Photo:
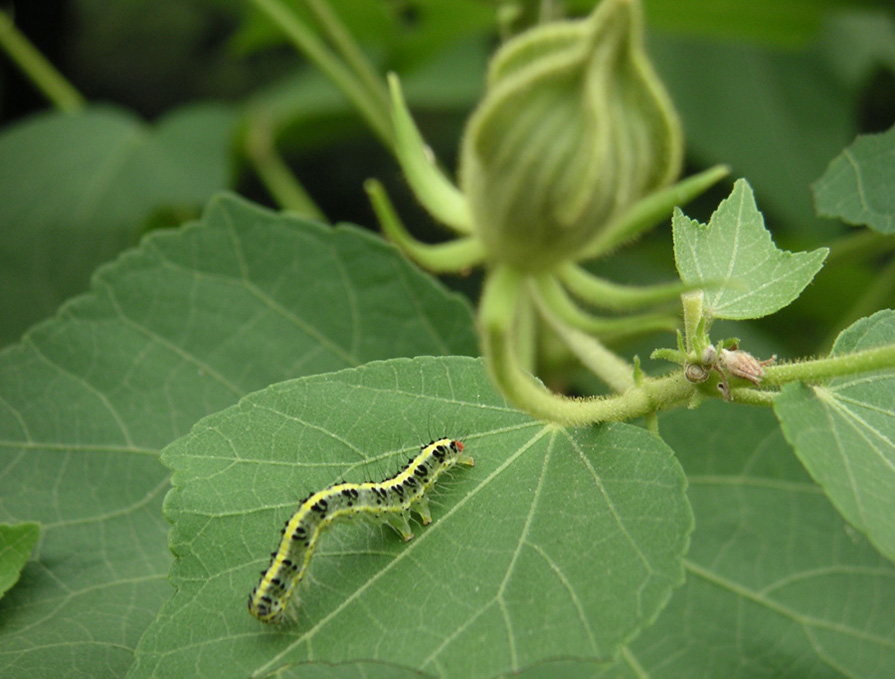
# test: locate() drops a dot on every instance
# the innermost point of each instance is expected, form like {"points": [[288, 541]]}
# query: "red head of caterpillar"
{"points": [[391, 500]]}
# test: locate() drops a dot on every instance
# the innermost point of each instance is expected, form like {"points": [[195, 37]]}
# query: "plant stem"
{"points": [[351, 52], [313, 48], [497, 311], [554, 297], [451, 257], [651, 210], [608, 295], [605, 364], [279, 180], [41, 72], [693, 308], [869, 360]]}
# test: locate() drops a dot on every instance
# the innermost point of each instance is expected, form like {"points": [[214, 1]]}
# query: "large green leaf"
{"points": [[733, 256], [176, 329], [859, 185], [16, 543], [78, 189], [778, 585], [844, 434], [558, 543]]}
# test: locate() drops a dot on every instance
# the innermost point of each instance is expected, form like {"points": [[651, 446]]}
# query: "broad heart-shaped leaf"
{"points": [[844, 434], [778, 585], [78, 189], [558, 543], [859, 185], [734, 258], [179, 328], [16, 543]]}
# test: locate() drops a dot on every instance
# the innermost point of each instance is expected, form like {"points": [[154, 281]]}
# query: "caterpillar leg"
{"points": [[422, 508], [399, 523]]}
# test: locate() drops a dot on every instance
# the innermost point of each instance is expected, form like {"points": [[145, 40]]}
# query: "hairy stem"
{"points": [[651, 210], [869, 360], [452, 257], [279, 180], [351, 52], [497, 310], [555, 298], [608, 295], [605, 364]]}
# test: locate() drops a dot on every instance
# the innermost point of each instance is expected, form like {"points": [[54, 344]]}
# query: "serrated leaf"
{"points": [[778, 585], [176, 329], [859, 185], [78, 189], [557, 543], [844, 434], [734, 258], [16, 543]]}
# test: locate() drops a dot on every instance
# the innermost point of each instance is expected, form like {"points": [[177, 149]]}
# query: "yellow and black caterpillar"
{"points": [[391, 500]]}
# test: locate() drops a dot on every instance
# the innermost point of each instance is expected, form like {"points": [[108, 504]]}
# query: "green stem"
{"points": [[651, 210], [313, 48], [276, 176], [351, 52], [751, 396], [608, 295], [41, 72], [497, 311], [605, 364], [555, 298], [693, 309], [869, 360], [452, 257], [433, 189]]}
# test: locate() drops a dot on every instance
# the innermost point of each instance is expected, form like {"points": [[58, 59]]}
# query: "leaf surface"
{"points": [[733, 256], [558, 543], [844, 434], [859, 185], [778, 585], [174, 330]]}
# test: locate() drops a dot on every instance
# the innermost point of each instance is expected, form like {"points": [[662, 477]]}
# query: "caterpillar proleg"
{"points": [[391, 500]]}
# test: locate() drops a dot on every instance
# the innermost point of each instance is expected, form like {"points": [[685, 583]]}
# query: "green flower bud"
{"points": [[574, 128]]}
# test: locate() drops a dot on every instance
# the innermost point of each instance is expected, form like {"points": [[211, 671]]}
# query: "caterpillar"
{"points": [[391, 500]]}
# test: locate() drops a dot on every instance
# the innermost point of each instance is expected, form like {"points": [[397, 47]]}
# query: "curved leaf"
{"points": [[844, 434], [734, 258], [176, 329], [558, 543], [778, 585], [859, 185]]}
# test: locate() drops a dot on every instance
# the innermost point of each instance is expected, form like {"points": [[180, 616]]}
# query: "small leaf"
{"points": [[16, 543], [557, 543], [734, 258], [178, 328], [844, 434], [778, 585], [859, 185]]}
